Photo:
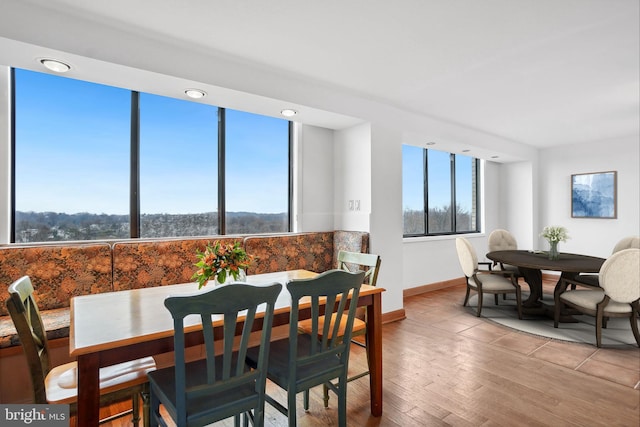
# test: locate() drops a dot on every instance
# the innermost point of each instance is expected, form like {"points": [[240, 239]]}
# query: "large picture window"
{"points": [[99, 162], [440, 192]]}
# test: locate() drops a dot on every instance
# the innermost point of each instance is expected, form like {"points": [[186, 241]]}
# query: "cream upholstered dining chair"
{"points": [[351, 261], [490, 282], [618, 296], [591, 280], [502, 240], [57, 385]]}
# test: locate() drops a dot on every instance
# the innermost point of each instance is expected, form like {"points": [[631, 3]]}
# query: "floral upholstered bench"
{"points": [[143, 264], [58, 273], [316, 251]]}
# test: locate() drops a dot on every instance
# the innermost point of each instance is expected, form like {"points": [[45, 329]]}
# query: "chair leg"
{"points": [[305, 399], [154, 410], [325, 395], [495, 297], [556, 313], [146, 413], [634, 323], [599, 320], [479, 304], [466, 297], [342, 402], [519, 302], [291, 407], [135, 408]]}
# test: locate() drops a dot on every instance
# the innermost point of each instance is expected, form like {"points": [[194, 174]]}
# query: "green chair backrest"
{"points": [[227, 303], [330, 289], [355, 261], [26, 318]]}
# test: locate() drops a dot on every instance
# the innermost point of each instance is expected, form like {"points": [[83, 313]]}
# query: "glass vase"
{"points": [[242, 277], [553, 251]]}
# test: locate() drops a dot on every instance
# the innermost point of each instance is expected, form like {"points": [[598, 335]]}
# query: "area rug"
{"points": [[617, 332]]}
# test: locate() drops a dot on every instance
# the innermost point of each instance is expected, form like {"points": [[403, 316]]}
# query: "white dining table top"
{"points": [[116, 319]]}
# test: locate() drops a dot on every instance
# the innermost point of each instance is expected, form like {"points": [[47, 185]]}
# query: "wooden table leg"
{"points": [[88, 391], [374, 352], [533, 277]]}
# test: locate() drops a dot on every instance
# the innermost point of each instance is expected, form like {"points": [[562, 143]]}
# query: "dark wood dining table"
{"points": [[115, 327], [531, 263]]}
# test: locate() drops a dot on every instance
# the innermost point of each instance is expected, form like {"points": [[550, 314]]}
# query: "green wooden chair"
{"points": [[58, 384], [216, 387], [302, 361], [352, 261]]}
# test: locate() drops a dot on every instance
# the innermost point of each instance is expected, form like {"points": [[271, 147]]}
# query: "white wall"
{"points": [[386, 213], [595, 237], [314, 178], [352, 173], [516, 187]]}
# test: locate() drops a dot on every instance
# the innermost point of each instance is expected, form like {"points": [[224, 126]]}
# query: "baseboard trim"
{"points": [[393, 316], [432, 287]]}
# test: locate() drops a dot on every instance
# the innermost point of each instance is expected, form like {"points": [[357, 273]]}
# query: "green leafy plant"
{"points": [[218, 261]]}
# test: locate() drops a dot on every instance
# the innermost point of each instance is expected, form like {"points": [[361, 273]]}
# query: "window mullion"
{"points": [[222, 209], [454, 227], [134, 192], [425, 186]]}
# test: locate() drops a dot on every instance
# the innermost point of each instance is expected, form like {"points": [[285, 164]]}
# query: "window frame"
{"points": [[134, 170], [452, 178]]}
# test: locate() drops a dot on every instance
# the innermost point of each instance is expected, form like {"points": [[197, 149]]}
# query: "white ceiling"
{"points": [[535, 72]]}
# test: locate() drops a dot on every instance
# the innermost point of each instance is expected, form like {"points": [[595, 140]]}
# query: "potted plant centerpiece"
{"points": [[222, 262], [554, 234]]}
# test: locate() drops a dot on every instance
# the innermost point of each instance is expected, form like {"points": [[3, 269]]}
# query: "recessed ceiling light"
{"points": [[195, 93], [495, 157], [288, 112], [431, 143], [466, 150], [55, 65]]}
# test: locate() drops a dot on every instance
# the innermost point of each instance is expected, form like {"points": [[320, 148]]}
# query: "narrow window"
{"points": [[178, 167], [448, 183], [256, 173]]}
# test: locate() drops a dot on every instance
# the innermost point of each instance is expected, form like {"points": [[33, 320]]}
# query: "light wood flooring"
{"points": [[443, 366]]}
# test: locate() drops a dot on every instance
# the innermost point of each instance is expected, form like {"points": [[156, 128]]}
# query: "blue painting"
{"points": [[593, 195]]}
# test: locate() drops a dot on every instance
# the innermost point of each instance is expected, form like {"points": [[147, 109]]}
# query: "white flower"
{"points": [[555, 234]]}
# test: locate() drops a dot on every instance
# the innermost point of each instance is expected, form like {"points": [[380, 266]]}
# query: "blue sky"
{"points": [[73, 152], [439, 179]]}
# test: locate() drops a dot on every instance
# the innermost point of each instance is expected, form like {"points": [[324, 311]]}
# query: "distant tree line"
{"points": [[55, 226], [439, 220]]}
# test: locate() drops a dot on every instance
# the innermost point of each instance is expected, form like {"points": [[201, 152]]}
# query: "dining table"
{"points": [[114, 327], [531, 264]]}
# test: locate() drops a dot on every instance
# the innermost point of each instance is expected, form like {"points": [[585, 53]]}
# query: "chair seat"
{"points": [[494, 282], [278, 368], [359, 326], [244, 396], [590, 298], [62, 381]]}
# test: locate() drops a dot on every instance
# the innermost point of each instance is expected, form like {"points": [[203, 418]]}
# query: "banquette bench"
{"points": [[61, 271]]}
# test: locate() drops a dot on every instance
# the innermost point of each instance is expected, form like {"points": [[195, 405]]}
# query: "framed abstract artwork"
{"points": [[593, 195]]}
